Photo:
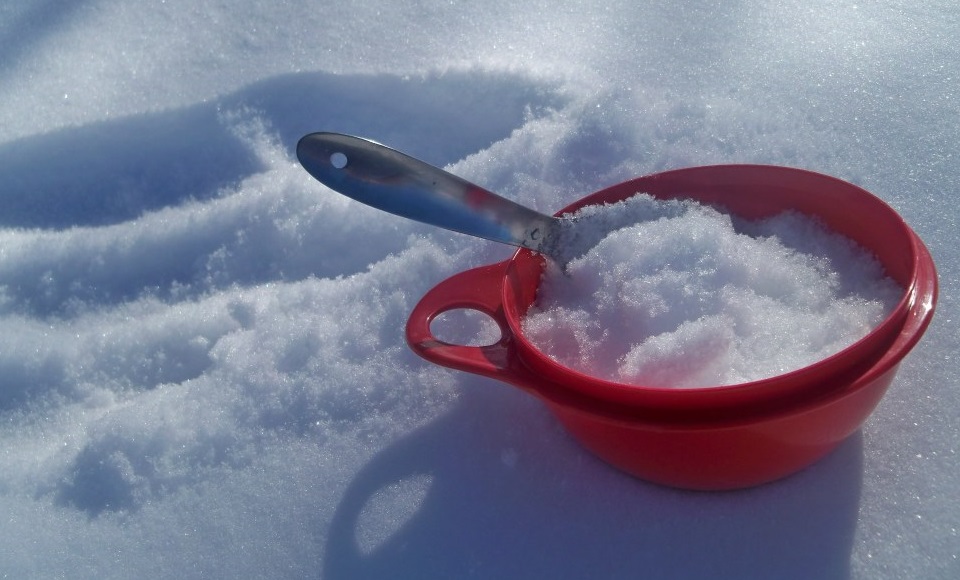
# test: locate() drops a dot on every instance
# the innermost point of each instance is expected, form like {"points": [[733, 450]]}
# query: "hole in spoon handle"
{"points": [[338, 160]]}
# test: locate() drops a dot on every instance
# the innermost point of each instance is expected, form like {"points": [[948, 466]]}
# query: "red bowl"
{"points": [[721, 437]]}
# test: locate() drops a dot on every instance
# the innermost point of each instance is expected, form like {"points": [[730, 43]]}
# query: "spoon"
{"points": [[392, 181]]}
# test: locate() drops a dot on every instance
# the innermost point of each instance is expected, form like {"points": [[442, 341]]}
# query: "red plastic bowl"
{"points": [[722, 437]]}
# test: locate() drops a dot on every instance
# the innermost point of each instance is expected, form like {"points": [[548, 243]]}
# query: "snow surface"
{"points": [[201, 355]]}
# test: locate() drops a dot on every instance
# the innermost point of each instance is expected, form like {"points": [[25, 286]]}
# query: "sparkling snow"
{"points": [[686, 298], [202, 365]]}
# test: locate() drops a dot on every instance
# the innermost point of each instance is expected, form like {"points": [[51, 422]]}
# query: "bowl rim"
{"points": [[766, 393]]}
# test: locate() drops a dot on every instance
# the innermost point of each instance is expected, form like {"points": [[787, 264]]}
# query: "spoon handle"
{"points": [[397, 183]]}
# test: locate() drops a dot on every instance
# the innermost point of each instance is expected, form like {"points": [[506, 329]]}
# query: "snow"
{"points": [[684, 297], [202, 366]]}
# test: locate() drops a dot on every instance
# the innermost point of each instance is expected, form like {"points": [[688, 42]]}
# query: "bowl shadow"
{"points": [[510, 495]]}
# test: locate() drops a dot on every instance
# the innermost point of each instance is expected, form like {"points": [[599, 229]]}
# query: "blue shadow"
{"points": [[547, 509], [113, 171]]}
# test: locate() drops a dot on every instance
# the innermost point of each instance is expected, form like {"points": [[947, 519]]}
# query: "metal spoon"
{"points": [[389, 180]]}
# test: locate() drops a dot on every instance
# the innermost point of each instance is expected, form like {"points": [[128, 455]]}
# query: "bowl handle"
{"points": [[478, 289]]}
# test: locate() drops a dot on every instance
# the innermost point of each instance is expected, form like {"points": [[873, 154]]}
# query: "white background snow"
{"points": [[202, 371]]}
